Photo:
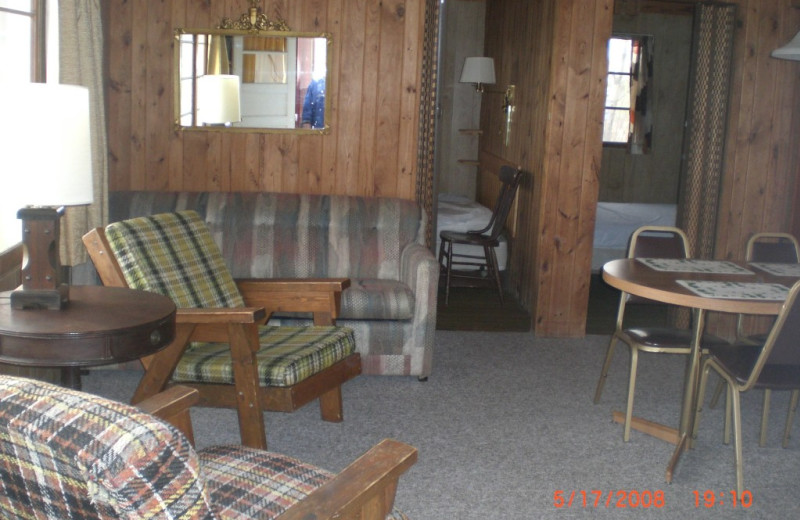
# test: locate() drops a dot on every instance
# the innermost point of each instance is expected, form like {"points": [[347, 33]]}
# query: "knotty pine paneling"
{"points": [[554, 52], [548, 49], [374, 88]]}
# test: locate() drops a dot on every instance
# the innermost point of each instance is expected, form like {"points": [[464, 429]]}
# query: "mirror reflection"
{"points": [[255, 81]]}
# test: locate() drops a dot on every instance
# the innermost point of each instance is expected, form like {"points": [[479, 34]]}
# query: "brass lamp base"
{"points": [[41, 287]]}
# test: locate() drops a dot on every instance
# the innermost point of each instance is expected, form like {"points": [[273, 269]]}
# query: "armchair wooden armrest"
{"points": [[172, 405], [221, 315], [320, 296], [364, 490]]}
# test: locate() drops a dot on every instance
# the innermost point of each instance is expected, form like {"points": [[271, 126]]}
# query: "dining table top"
{"points": [[764, 291]]}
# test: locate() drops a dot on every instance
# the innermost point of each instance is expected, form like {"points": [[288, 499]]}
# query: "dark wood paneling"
{"points": [[374, 86]]}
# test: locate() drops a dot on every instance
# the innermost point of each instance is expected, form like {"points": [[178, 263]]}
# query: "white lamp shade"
{"points": [[218, 99], [478, 70], [790, 51], [45, 144]]}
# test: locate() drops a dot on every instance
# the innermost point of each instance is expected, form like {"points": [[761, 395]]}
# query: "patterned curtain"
{"points": [[706, 118], [81, 63], [641, 129], [427, 115]]}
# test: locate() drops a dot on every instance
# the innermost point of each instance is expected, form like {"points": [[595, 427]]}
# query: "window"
{"points": [[24, 48], [628, 114]]}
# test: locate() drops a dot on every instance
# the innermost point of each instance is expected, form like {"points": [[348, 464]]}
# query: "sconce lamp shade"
{"points": [[478, 70], [790, 51], [218, 99], [45, 145]]}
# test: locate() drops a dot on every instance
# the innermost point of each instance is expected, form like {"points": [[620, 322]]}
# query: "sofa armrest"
{"points": [[365, 489], [320, 296], [172, 405]]}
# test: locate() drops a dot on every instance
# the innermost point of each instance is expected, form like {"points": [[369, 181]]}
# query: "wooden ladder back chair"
{"points": [[775, 365], [72, 455], [648, 242], [222, 347], [488, 238]]}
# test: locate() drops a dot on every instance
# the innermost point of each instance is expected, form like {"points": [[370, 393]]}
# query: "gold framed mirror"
{"points": [[275, 77]]}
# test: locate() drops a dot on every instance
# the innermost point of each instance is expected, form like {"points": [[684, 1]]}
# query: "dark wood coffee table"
{"points": [[100, 326]]}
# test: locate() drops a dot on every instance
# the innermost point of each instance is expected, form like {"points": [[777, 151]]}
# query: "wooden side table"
{"points": [[100, 326]]}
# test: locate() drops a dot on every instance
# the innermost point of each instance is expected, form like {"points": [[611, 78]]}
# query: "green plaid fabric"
{"points": [[68, 455], [288, 355], [175, 255]]}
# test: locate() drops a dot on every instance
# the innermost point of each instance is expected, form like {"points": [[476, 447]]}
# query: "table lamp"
{"points": [[218, 99], [790, 51], [45, 152]]}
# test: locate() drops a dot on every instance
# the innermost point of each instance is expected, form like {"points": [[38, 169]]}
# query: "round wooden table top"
{"points": [[634, 277], [100, 325]]}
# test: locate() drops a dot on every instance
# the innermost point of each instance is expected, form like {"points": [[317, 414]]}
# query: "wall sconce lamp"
{"points": [[478, 70], [790, 51], [46, 157]]}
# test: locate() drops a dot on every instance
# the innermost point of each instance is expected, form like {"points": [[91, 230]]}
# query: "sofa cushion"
{"points": [[287, 355], [373, 299], [259, 484]]}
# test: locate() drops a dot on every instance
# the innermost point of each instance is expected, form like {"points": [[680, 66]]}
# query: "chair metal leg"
{"points": [[762, 438], [701, 397], [790, 417], [717, 393], [631, 390], [604, 372], [737, 440], [726, 434]]}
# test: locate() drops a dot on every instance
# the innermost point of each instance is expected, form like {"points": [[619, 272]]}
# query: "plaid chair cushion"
{"points": [[259, 484], [288, 355], [174, 254], [67, 456]]}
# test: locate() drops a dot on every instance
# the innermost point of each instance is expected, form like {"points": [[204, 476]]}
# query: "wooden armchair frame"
{"points": [[364, 490], [239, 328]]}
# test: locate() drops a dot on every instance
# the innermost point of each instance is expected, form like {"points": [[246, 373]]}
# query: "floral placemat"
{"points": [[693, 265], [737, 290], [792, 270]]}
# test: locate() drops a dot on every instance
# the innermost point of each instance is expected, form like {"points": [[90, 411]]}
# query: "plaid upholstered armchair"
{"points": [[222, 348], [68, 455]]}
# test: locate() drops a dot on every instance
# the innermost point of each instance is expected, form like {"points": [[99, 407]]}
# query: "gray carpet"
{"points": [[507, 419]]}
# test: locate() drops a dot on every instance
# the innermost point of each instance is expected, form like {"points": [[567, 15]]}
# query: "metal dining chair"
{"points": [[648, 242], [773, 366], [766, 247], [483, 267]]}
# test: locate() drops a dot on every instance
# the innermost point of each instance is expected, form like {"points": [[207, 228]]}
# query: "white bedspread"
{"points": [[617, 220]]}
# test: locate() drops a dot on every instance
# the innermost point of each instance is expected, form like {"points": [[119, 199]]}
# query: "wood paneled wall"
{"points": [[374, 87], [554, 51], [555, 54]]}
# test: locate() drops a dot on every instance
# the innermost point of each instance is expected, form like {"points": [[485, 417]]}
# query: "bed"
{"points": [[458, 213], [616, 221]]}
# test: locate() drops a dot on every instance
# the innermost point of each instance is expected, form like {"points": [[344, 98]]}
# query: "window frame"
{"points": [[641, 41]]}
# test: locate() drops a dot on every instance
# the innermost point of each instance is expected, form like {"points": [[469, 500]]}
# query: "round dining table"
{"points": [[635, 276]]}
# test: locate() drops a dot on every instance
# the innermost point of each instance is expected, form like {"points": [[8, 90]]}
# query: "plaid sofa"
{"points": [[376, 242]]}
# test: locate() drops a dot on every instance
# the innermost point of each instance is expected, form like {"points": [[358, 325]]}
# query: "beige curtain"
{"points": [[427, 116], [81, 63]]}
